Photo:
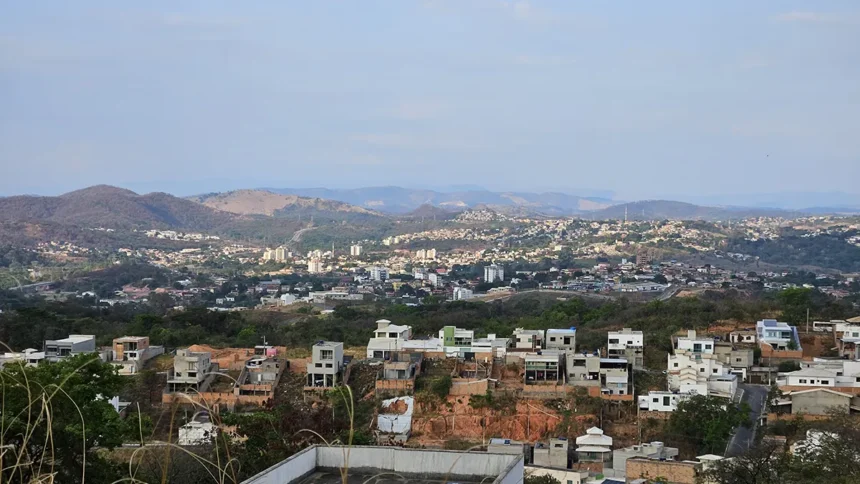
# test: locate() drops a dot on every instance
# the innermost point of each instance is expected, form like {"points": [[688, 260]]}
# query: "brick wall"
{"points": [[673, 472]]}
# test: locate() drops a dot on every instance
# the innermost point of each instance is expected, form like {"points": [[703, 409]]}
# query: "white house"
{"points": [[657, 401], [563, 339], [696, 344], [528, 339], [628, 344], [196, 433], [777, 334], [387, 338]]}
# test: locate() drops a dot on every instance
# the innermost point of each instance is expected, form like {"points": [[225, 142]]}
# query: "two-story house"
{"points": [[388, 338], [326, 367], [190, 369], [561, 339], [75, 344], [528, 339], [627, 344]]}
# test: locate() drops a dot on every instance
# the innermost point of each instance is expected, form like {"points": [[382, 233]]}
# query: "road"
{"points": [[754, 396]]}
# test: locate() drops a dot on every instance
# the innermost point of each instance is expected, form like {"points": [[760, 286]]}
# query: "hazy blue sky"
{"points": [[644, 98]]}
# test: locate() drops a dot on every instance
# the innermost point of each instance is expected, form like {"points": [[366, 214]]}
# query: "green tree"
{"points": [[706, 423], [56, 414]]}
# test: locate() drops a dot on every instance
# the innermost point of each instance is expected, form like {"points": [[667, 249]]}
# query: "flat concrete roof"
{"points": [[332, 476]]}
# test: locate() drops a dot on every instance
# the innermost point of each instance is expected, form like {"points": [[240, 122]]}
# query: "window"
{"points": [[328, 365], [552, 338], [613, 341], [666, 401], [737, 360], [707, 347], [629, 342], [326, 354], [559, 446], [318, 365], [802, 380], [676, 365], [392, 335], [701, 370], [715, 370], [825, 382], [656, 400]]}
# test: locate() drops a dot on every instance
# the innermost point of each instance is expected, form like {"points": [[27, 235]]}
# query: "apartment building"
{"points": [[494, 273], [326, 366], [462, 294], [190, 369], [627, 344], [75, 344], [561, 339]]}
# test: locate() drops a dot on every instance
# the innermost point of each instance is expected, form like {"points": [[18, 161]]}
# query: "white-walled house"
{"points": [[528, 339], [657, 401], [628, 344], [387, 338]]}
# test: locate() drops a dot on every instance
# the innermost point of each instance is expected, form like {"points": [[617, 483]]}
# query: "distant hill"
{"points": [[263, 202], [403, 200], [431, 212], [670, 210], [107, 206]]}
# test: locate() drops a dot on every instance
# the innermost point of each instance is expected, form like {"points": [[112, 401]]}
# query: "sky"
{"points": [[657, 99]]}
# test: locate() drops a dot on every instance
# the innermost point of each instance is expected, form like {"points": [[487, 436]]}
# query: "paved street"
{"points": [[754, 396]]}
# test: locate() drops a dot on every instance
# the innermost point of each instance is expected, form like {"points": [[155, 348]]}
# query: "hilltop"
{"points": [[264, 202], [108, 206], [671, 210]]}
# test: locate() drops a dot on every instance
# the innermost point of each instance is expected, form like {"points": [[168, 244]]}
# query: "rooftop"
{"points": [[320, 464], [75, 338]]}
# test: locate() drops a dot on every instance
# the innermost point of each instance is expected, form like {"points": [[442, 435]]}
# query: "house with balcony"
{"points": [[528, 339], [847, 338], [701, 374], [561, 339], [545, 367], [739, 360], [130, 353], [594, 446], [452, 336], [190, 371], [326, 367], [602, 377], [75, 344], [627, 344], [778, 340], [388, 338]]}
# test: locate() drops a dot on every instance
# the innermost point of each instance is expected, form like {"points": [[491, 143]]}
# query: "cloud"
{"points": [[815, 18]]}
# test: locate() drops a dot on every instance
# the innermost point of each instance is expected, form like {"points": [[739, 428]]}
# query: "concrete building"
{"points": [[627, 344], [695, 344], [528, 339], [398, 373], [493, 273], [561, 339], [378, 273], [847, 340], [29, 357], [75, 344], [315, 266], [506, 446], [609, 375], [453, 336], [778, 335], [322, 464], [260, 374], [551, 454], [355, 250], [190, 370], [594, 446], [691, 372], [130, 353], [462, 294], [387, 339], [326, 366], [657, 401], [653, 450], [281, 254], [743, 336], [544, 367], [815, 401]]}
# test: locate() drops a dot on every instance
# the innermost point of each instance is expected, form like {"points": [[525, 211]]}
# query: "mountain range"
{"points": [[397, 200]]}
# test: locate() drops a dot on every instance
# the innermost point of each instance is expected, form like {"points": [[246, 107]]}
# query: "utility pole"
{"points": [[807, 320]]}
